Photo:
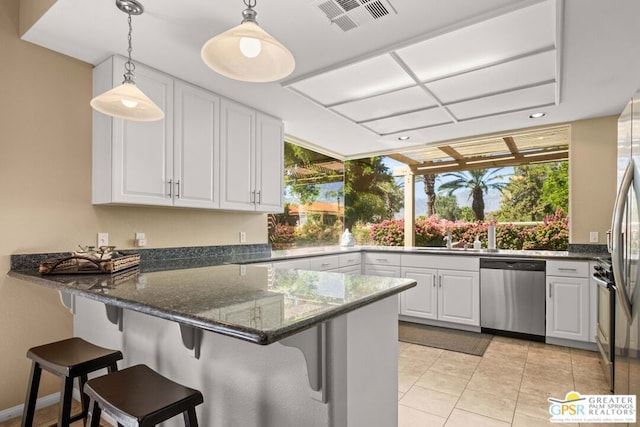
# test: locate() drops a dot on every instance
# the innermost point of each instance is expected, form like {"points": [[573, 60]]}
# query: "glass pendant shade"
{"points": [[127, 102], [248, 53]]}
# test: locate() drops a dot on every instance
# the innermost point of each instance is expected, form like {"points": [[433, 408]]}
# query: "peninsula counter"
{"points": [[267, 347]]}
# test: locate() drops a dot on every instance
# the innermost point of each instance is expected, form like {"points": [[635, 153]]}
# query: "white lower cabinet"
{"points": [[568, 308], [444, 294], [568, 300], [422, 300]]}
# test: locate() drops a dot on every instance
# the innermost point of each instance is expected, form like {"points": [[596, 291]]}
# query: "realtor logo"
{"points": [[576, 408]]}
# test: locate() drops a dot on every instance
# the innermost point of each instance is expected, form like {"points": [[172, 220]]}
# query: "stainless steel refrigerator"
{"points": [[625, 254]]}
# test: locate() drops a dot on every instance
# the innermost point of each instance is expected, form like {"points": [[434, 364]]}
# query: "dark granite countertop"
{"points": [[280, 255], [252, 303]]}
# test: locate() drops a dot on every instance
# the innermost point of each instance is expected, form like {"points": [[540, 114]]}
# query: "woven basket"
{"points": [[78, 264]]}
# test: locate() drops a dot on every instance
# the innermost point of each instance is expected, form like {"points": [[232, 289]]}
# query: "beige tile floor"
{"points": [[507, 386]]}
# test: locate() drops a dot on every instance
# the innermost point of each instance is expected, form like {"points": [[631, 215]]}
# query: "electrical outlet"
{"points": [[243, 270], [140, 240], [243, 237], [103, 239], [594, 237]]}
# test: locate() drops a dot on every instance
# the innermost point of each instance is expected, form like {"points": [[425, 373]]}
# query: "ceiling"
{"points": [[430, 70]]}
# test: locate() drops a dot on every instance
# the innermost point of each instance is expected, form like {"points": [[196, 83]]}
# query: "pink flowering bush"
{"points": [[389, 232], [552, 234]]}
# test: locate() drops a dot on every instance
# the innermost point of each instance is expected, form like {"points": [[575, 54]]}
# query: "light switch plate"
{"points": [[594, 237]]}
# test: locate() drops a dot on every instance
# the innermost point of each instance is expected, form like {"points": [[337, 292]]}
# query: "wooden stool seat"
{"points": [[139, 396], [69, 359]]}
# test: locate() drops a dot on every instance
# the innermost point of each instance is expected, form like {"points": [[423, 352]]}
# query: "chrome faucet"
{"points": [[447, 239]]}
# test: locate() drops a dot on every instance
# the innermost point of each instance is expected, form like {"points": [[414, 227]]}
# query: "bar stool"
{"points": [[69, 359], [140, 397]]}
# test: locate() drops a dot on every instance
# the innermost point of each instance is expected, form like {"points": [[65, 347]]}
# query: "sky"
{"points": [[491, 200]]}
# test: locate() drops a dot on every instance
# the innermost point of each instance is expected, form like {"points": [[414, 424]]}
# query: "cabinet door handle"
{"points": [[324, 264], [381, 260], [253, 197], [440, 280], [434, 280], [567, 269], [259, 193], [178, 189], [170, 189], [550, 290]]}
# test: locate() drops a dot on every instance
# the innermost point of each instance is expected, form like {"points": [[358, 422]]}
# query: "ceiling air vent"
{"points": [[350, 14]]}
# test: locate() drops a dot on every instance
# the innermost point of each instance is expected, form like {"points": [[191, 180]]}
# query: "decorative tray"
{"points": [[106, 260]]}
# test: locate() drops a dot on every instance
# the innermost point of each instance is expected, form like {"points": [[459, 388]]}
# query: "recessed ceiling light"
{"points": [[537, 115], [403, 138]]}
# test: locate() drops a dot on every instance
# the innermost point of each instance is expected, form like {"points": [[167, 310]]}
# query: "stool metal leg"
{"points": [[190, 419], [82, 380], [93, 417], [32, 395], [65, 402]]}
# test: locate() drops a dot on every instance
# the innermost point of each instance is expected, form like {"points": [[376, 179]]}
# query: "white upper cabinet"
{"points": [[269, 164], [238, 141], [206, 153], [196, 148], [133, 161], [252, 147]]}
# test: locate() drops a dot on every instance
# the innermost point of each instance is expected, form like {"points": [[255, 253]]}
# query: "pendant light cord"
{"points": [[129, 65]]}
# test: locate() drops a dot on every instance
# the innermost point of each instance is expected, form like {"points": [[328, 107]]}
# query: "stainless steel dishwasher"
{"points": [[513, 297]]}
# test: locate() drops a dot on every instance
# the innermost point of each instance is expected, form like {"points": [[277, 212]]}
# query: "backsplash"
{"points": [[588, 248], [218, 254]]}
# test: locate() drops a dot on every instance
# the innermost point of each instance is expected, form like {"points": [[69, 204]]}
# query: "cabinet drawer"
{"points": [[454, 262], [568, 268], [350, 259], [295, 264], [380, 258], [324, 262]]}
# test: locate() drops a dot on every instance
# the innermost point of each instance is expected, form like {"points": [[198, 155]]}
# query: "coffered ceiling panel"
{"points": [[397, 102], [538, 96], [520, 73], [499, 65], [416, 120], [488, 42], [364, 79]]}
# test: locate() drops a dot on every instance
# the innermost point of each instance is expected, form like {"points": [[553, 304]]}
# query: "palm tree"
{"points": [[430, 191], [478, 182]]}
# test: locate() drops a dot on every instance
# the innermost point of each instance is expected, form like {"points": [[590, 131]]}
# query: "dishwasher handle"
{"points": [[513, 264]]}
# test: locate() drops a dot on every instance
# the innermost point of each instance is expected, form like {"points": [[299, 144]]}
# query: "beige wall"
{"points": [[592, 177], [45, 176]]}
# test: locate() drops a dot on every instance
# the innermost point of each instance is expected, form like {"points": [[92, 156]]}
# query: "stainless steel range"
{"points": [[605, 332]]}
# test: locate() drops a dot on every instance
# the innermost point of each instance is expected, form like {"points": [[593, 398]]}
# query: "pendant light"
{"points": [[247, 52], [127, 101]]}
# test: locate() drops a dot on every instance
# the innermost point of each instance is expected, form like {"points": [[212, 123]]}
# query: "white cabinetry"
{"points": [[206, 152], [448, 288], [196, 156], [133, 161], [382, 264], [568, 300], [252, 147]]}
